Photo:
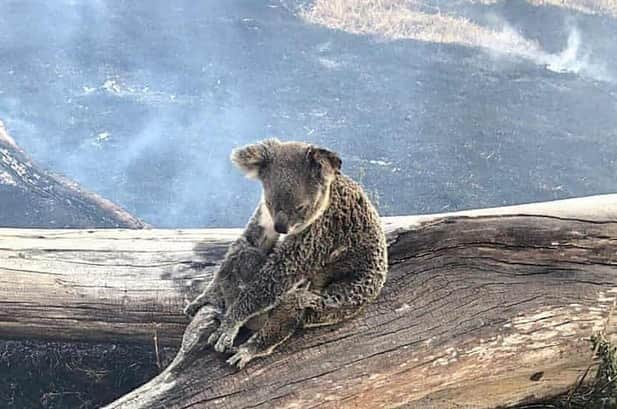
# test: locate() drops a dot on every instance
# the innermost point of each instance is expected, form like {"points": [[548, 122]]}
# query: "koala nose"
{"points": [[280, 224], [280, 228]]}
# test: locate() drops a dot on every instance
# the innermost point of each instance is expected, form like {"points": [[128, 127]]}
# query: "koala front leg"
{"points": [[245, 257], [250, 302], [282, 322], [278, 276]]}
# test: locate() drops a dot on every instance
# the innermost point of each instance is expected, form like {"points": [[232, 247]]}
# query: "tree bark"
{"points": [[481, 309]]}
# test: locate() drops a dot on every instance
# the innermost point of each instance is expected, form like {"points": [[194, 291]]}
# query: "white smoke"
{"points": [[575, 58]]}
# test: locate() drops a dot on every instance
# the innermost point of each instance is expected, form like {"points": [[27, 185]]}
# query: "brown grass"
{"points": [[398, 19]]}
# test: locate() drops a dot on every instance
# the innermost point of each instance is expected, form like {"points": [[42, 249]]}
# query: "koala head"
{"points": [[296, 179]]}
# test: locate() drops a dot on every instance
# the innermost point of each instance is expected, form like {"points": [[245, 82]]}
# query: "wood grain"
{"points": [[481, 309]]}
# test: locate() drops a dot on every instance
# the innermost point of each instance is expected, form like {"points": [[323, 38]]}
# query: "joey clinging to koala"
{"points": [[331, 261]]}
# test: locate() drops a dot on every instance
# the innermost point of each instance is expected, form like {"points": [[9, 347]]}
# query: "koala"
{"points": [[313, 253]]}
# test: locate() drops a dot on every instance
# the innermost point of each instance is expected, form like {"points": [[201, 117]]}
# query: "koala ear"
{"points": [[323, 158], [251, 158]]}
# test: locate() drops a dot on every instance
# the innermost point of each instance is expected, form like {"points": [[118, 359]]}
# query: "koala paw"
{"points": [[192, 308], [223, 337], [208, 316], [242, 357]]}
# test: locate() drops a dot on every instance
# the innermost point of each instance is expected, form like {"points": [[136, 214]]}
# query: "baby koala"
{"points": [[331, 261]]}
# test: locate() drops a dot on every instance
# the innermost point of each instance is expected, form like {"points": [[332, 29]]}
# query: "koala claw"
{"points": [[223, 338], [214, 337], [224, 342], [242, 357], [208, 316]]}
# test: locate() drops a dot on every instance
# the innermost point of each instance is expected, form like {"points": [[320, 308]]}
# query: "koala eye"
{"points": [[301, 208]]}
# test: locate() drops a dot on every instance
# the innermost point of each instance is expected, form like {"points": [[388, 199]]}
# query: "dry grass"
{"points": [[398, 19]]}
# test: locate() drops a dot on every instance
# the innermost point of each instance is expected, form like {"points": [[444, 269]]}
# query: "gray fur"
{"points": [[332, 262], [244, 258]]}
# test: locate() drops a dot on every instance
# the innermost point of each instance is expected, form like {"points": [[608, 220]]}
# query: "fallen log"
{"points": [[34, 197], [481, 309]]}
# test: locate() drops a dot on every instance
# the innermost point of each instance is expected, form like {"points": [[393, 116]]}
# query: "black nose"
{"points": [[280, 227], [280, 223]]}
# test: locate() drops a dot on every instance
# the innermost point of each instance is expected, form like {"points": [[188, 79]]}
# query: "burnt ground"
{"points": [[142, 102], [55, 375]]}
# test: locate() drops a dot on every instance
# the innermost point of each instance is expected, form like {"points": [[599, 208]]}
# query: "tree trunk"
{"points": [[481, 309]]}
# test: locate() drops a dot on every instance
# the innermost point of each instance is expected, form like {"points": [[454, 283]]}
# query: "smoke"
{"points": [[142, 102], [143, 115], [574, 58]]}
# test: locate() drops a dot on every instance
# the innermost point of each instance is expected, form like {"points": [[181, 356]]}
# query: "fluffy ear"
{"points": [[251, 158], [324, 160]]}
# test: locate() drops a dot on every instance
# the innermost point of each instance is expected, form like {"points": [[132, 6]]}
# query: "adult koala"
{"points": [[330, 263]]}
